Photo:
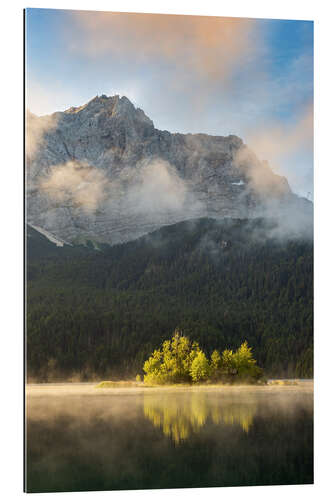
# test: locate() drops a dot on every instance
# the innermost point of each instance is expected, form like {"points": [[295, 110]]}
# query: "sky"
{"points": [[249, 77]]}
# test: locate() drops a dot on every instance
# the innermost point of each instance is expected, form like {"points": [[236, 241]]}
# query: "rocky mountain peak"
{"points": [[115, 107], [103, 171]]}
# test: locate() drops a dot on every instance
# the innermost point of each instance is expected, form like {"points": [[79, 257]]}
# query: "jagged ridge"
{"points": [[102, 171]]}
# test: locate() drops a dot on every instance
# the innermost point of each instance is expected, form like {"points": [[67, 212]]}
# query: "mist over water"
{"points": [[82, 438]]}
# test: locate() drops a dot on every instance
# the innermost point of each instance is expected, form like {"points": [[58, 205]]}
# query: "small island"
{"points": [[180, 361]]}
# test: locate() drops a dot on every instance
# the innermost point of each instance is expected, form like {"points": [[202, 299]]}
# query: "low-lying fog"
{"points": [[83, 438]]}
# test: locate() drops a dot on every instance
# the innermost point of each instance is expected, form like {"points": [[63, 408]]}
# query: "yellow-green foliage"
{"points": [[199, 369], [215, 361], [172, 363], [179, 360], [239, 365], [244, 363], [228, 362]]}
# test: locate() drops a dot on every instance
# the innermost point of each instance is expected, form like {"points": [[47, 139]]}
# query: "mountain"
{"points": [[103, 172], [100, 314]]}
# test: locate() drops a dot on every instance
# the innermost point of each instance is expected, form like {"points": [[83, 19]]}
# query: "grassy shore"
{"points": [[111, 384]]}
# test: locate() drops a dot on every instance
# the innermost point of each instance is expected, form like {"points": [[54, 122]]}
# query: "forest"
{"points": [[101, 313]]}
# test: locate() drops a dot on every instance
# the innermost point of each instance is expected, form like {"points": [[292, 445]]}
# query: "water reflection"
{"points": [[181, 416], [82, 439]]}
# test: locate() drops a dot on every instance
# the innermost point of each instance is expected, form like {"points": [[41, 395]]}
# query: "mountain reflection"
{"points": [[179, 416]]}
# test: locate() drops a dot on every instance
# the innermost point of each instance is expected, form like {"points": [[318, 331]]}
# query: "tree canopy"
{"points": [[181, 361]]}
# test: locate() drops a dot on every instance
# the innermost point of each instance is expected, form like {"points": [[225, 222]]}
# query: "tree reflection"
{"points": [[179, 416]]}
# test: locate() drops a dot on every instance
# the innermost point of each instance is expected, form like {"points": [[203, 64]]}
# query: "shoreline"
{"points": [[89, 388]]}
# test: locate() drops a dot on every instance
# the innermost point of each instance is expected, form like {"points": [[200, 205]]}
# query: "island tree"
{"points": [[181, 361]]}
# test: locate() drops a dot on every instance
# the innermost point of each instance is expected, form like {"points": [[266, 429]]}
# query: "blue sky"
{"points": [[252, 78]]}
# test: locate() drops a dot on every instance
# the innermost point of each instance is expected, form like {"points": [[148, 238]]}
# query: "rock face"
{"points": [[103, 172]]}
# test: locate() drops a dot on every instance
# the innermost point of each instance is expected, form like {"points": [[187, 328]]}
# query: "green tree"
{"points": [[215, 365], [199, 370], [153, 368], [245, 365], [228, 363], [172, 363]]}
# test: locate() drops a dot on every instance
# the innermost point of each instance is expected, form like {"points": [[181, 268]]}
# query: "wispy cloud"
{"points": [[288, 147], [152, 188], [76, 183], [35, 130], [211, 47], [277, 139]]}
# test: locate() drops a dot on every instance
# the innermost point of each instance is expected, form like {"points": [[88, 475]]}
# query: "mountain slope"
{"points": [[220, 282], [103, 172], [41, 244]]}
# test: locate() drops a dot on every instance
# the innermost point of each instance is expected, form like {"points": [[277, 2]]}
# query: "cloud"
{"points": [[152, 188], [211, 47], [277, 139], [35, 130], [288, 147], [158, 188], [77, 183]]}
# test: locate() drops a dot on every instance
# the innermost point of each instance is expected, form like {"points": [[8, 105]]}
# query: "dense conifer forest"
{"points": [[100, 313]]}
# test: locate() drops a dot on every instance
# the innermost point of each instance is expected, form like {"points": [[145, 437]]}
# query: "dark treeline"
{"points": [[103, 312]]}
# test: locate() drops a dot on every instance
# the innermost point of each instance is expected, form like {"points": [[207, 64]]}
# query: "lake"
{"points": [[81, 438]]}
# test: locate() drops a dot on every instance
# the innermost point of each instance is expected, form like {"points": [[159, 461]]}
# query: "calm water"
{"points": [[82, 438]]}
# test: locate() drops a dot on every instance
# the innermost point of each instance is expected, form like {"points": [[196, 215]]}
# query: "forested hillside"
{"points": [[101, 313]]}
